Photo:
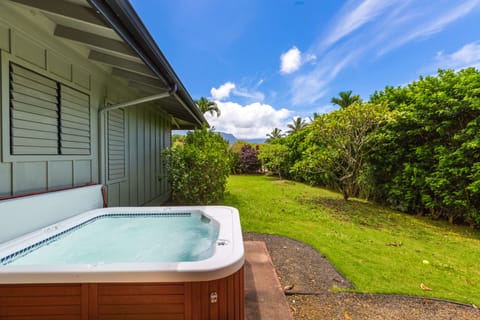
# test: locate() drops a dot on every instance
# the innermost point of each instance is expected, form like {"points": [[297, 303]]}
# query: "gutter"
{"points": [[141, 100]]}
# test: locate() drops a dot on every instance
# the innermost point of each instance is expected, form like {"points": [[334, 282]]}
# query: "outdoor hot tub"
{"points": [[127, 262]]}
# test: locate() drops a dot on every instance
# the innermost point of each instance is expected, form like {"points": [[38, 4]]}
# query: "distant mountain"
{"points": [[229, 137], [232, 139]]}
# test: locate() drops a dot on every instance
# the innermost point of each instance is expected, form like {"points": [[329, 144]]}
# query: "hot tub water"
{"points": [[128, 238]]}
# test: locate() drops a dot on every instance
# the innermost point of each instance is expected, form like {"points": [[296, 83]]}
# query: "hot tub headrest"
{"points": [[21, 215]]}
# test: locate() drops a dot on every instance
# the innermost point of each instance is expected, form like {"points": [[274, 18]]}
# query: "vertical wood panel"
{"points": [[213, 314], [29, 176], [161, 147], [4, 37], [242, 293], [132, 156], [230, 298], [147, 172], [141, 156], [196, 304], [164, 145], [6, 180], [113, 195], [60, 174], [222, 299], [81, 77], [188, 300], [59, 66], [167, 143], [82, 172], [204, 300], [29, 50], [153, 152], [93, 301], [158, 154], [124, 200], [239, 294], [84, 297]]}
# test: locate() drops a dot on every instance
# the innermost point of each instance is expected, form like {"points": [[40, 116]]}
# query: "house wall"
{"points": [[146, 130]]}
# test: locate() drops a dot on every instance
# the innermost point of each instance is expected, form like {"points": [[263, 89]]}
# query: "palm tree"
{"points": [[206, 105], [296, 125], [315, 116], [275, 134], [346, 99]]}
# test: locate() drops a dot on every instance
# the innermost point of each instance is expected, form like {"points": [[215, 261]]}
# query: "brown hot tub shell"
{"points": [[216, 299]]}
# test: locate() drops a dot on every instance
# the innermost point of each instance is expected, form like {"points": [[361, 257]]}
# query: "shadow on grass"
{"points": [[367, 214]]}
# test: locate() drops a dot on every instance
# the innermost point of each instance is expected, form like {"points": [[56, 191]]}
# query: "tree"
{"points": [[274, 135], [296, 125], [274, 157], [340, 142], [206, 105], [346, 99], [314, 116]]}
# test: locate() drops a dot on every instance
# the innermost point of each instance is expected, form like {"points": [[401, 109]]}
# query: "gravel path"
{"points": [[308, 271]]}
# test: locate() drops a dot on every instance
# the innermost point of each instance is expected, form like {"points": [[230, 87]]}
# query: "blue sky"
{"points": [[266, 62]]}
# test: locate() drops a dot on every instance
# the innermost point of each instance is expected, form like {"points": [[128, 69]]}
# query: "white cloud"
{"points": [[435, 23], [351, 18], [385, 25], [250, 94], [290, 61], [307, 89], [293, 59], [467, 56], [230, 88], [249, 121], [223, 91]]}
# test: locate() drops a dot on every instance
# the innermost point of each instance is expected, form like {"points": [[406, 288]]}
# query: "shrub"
{"points": [[198, 168], [248, 159]]}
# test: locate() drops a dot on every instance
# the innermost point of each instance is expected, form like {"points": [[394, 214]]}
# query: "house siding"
{"points": [[32, 45]]}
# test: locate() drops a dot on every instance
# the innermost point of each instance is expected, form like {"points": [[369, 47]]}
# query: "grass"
{"points": [[378, 249]]}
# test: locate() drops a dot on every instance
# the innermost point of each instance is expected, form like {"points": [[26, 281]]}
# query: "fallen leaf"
{"points": [[347, 316], [424, 287], [288, 287], [394, 244]]}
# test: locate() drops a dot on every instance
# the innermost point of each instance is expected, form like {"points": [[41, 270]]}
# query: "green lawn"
{"points": [[359, 238]]}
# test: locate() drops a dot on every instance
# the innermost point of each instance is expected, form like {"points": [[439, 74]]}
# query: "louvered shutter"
{"points": [[33, 113], [74, 122], [116, 144]]}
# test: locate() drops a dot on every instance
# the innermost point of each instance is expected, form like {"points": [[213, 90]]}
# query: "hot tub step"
{"points": [[264, 297]]}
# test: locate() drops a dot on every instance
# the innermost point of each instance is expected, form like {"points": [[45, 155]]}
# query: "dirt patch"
{"points": [[308, 271]]}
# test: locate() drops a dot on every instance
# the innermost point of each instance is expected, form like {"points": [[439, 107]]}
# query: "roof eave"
{"points": [[125, 21]]}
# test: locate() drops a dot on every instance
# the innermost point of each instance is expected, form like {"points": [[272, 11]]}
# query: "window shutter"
{"points": [[116, 144], [74, 122], [33, 113]]}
